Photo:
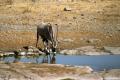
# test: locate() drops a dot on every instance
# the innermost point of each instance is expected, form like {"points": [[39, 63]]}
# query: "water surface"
{"points": [[96, 62]]}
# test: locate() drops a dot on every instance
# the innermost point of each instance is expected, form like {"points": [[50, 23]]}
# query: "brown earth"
{"points": [[88, 22], [31, 71]]}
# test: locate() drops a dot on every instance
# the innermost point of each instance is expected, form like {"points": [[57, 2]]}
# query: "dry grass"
{"points": [[53, 11], [86, 20]]}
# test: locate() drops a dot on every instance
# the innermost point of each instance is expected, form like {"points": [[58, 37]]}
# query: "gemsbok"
{"points": [[48, 34]]}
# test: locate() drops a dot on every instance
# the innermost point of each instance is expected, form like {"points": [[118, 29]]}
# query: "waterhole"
{"points": [[96, 62]]}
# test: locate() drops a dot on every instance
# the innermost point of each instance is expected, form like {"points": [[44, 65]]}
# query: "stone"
{"points": [[92, 76], [91, 50], [74, 18], [88, 69], [40, 52], [112, 50], [1, 53], [30, 50], [93, 40], [86, 50], [31, 71], [29, 53], [70, 52], [82, 14], [33, 49], [96, 53], [8, 53], [66, 40], [67, 9], [113, 74], [22, 53]]}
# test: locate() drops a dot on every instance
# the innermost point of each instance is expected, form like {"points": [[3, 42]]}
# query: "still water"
{"points": [[96, 62]]}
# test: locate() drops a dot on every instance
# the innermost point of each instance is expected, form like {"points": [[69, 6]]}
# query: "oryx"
{"points": [[48, 34]]}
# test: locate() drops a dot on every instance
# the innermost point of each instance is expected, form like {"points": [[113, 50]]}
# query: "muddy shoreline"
{"points": [[84, 50]]}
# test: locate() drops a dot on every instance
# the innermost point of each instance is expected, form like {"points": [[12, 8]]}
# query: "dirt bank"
{"points": [[30, 71], [21, 71]]}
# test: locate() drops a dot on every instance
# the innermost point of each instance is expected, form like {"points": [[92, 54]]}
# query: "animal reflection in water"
{"points": [[46, 59], [50, 59]]}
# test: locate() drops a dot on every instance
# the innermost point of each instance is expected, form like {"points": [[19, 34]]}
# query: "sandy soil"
{"points": [[87, 23], [31, 71]]}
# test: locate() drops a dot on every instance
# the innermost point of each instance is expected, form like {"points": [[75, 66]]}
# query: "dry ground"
{"points": [[97, 20], [27, 71]]}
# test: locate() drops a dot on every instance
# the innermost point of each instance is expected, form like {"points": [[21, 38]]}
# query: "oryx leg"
{"points": [[37, 39], [45, 45]]}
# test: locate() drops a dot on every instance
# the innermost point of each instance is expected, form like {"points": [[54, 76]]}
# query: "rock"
{"points": [[96, 53], [112, 50], [67, 9], [30, 50], [82, 14], [92, 1], [86, 50], [35, 53], [88, 69], [33, 49], [29, 53], [8, 53], [40, 52], [1, 53], [74, 18], [93, 40], [70, 52], [113, 74], [91, 50], [92, 76], [31, 71], [66, 40], [22, 53]]}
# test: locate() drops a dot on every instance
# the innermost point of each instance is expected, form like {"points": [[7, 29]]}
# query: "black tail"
{"points": [[37, 39]]}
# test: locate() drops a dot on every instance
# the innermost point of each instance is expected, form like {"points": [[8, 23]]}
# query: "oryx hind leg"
{"points": [[37, 40]]}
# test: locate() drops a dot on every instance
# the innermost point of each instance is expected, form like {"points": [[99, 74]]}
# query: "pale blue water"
{"points": [[96, 62]]}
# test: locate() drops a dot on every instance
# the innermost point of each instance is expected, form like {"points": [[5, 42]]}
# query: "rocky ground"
{"points": [[80, 23], [92, 50], [30, 71], [85, 50]]}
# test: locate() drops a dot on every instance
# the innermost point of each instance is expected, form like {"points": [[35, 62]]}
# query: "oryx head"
{"points": [[54, 34]]}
